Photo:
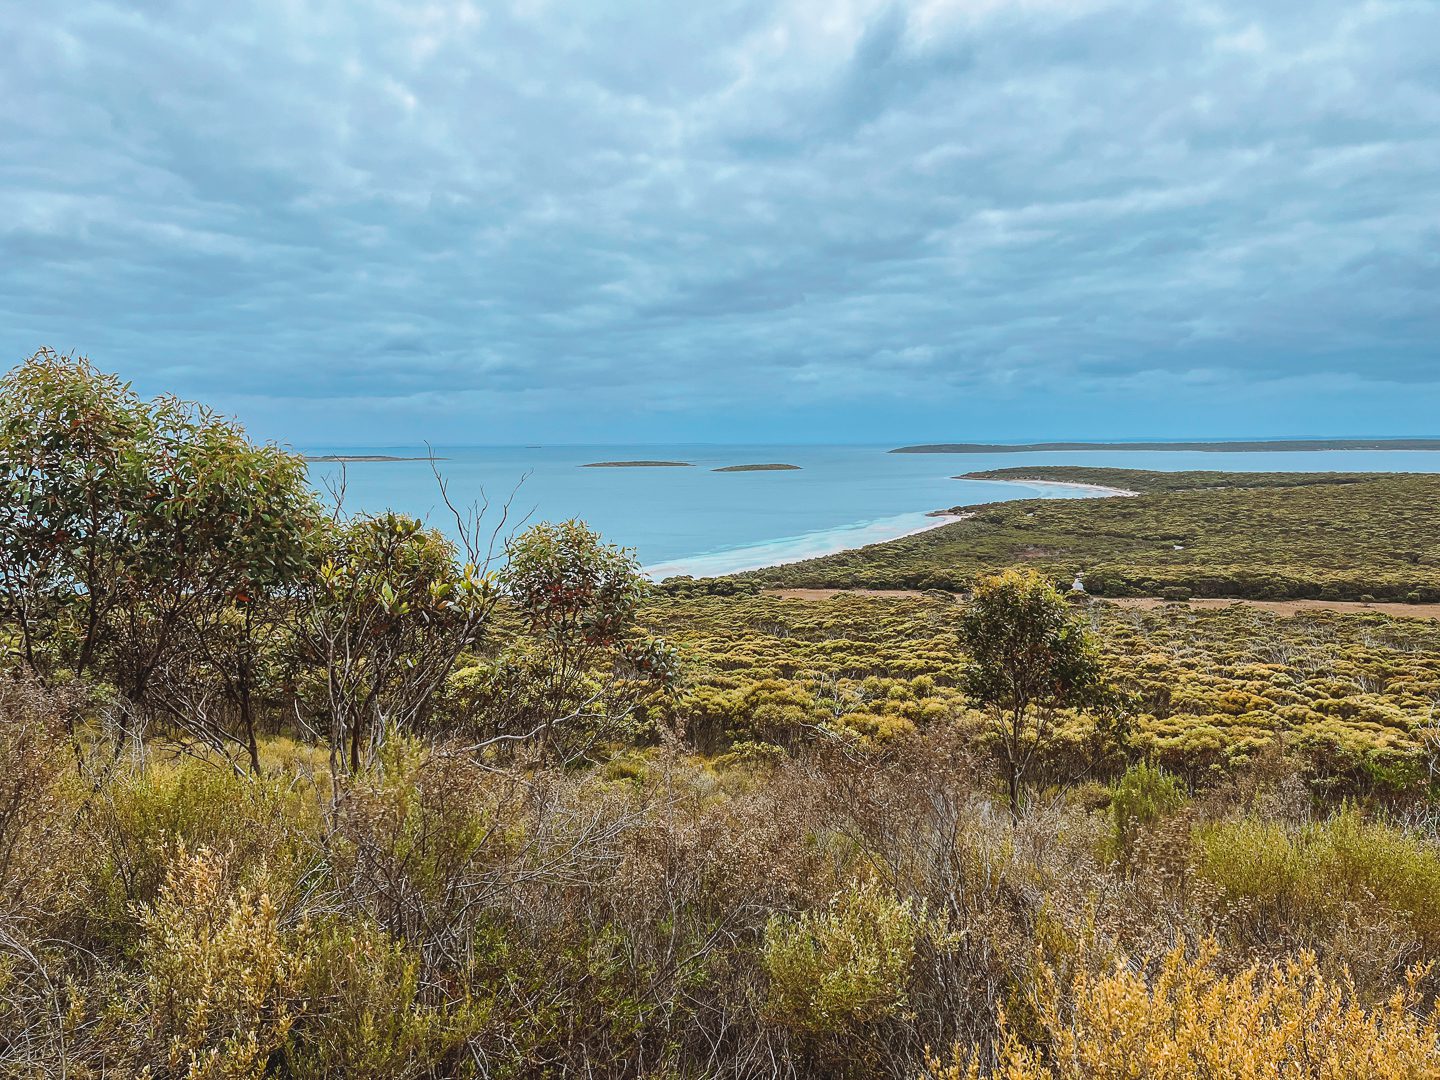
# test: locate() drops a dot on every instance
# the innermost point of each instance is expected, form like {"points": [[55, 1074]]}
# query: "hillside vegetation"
{"points": [[1354, 696], [292, 793], [1259, 536]]}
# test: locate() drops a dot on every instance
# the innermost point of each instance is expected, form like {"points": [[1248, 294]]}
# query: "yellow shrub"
{"points": [[220, 987], [1190, 1022], [870, 729]]}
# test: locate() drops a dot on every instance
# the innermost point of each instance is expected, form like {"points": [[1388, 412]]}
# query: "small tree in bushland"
{"points": [[1029, 656], [576, 677], [390, 611]]}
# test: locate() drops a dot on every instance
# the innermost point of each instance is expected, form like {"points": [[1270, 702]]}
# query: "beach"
{"points": [[793, 549], [1099, 491]]}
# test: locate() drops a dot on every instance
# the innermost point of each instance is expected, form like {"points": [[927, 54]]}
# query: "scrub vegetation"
{"points": [[290, 792]]}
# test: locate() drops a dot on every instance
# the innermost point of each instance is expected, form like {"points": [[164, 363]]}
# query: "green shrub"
{"points": [[1312, 881], [364, 1009], [141, 819], [1143, 795], [845, 966]]}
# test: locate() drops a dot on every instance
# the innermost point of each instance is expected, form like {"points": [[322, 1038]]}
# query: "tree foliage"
{"points": [[71, 480], [580, 664], [133, 532], [390, 610], [1029, 655]]}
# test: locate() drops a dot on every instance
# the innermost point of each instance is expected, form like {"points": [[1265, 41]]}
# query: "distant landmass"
{"points": [[1223, 447], [368, 457], [771, 467], [639, 465]]}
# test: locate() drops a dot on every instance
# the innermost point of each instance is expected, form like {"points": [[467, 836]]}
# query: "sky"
{"points": [[366, 223]]}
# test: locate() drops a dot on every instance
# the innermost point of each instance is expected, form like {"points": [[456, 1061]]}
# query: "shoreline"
{"points": [[1099, 491], [734, 561]]}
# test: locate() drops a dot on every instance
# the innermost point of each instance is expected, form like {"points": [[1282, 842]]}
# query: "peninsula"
{"points": [[1222, 447]]}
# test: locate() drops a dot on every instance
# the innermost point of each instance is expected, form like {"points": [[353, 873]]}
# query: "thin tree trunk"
{"points": [[355, 726]]}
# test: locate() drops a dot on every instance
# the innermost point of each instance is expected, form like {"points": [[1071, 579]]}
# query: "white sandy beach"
{"points": [[793, 549], [1100, 491]]}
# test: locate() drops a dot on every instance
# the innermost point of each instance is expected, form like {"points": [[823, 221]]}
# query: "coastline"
{"points": [[1098, 491], [793, 549], [1221, 446], [784, 551]]}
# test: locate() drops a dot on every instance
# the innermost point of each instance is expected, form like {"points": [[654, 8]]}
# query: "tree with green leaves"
{"points": [[221, 522], [390, 610], [139, 538], [71, 476], [576, 675], [225, 538], [1029, 656]]}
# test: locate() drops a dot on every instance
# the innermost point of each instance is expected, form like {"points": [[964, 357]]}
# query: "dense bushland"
{"points": [[289, 792], [151, 549], [831, 913], [1354, 698]]}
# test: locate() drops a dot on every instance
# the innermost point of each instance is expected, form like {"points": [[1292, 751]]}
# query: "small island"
{"points": [[368, 457], [770, 467], [639, 465]]}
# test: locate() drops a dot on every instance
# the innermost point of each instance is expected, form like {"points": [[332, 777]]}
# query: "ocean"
{"points": [[698, 521]]}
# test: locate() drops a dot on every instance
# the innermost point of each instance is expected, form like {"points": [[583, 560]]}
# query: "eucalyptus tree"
{"points": [[136, 537], [1029, 656], [390, 609], [224, 540], [576, 674], [71, 442]]}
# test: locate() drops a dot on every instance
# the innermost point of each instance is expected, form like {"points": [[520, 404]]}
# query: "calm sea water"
{"points": [[696, 521]]}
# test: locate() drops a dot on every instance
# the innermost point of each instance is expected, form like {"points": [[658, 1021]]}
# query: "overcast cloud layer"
{"points": [[374, 222]]}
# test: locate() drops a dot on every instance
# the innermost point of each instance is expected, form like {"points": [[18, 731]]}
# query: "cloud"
{"points": [[742, 220]]}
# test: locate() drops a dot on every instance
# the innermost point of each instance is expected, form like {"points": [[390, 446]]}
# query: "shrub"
{"points": [[416, 833], [751, 755], [1191, 1022], [220, 983], [33, 810], [364, 1013], [1140, 797], [1311, 881], [139, 820], [833, 970]]}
